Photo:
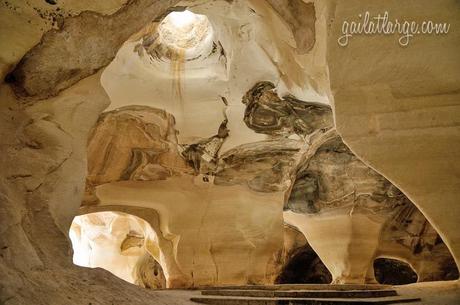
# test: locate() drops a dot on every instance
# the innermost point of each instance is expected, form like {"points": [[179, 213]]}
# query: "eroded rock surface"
{"points": [[334, 198], [150, 274], [269, 114], [334, 179], [403, 122], [334, 189], [41, 187], [133, 143], [83, 45], [200, 187], [409, 237], [216, 206], [203, 154], [120, 243], [301, 19], [262, 166]]}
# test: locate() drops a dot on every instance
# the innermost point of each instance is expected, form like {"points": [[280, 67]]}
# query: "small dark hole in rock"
{"points": [[10, 78]]}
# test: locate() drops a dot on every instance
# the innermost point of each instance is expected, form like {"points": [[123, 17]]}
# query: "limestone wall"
{"points": [[398, 108]]}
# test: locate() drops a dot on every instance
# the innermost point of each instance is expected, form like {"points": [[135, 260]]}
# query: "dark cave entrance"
{"points": [[304, 267], [390, 271]]}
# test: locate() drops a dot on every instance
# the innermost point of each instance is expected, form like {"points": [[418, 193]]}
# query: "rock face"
{"points": [[301, 19], [203, 155], [255, 174], [148, 150], [122, 244], [409, 237], [267, 113], [336, 201], [335, 179], [228, 167], [400, 122], [41, 194], [78, 49], [334, 189], [150, 274], [261, 166]]}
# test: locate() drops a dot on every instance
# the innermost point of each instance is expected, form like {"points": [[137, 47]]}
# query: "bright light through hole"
{"points": [[182, 19], [186, 31]]}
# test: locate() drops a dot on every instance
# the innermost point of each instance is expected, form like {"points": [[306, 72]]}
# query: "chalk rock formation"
{"points": [[336, 195], [338, 202], [209, 219], [301, 19], [409, 237], [207, 174], [132, 143], [36, 78], [116, 242], [398, 119], [299, 263], [269, 114]]}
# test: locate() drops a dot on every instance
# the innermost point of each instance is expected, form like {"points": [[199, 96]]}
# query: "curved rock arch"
{"points": [[375, 118], [167, 246], [341, 97], [414, 235], [402, 271]]}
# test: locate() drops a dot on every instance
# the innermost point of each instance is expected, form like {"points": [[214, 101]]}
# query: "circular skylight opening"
{"points": [[186, 33]]}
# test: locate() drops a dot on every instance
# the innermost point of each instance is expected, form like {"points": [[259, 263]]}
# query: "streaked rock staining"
{"points": [[188, 144], [334, 179], [201, 253], [261, 166], [269, 114], [334, 190], [329, 195], [409, 237], [203, 155], [133, 143]]}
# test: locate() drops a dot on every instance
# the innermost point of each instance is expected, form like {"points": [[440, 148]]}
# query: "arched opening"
{"points": [[152, 137], [390, 271], [352, 214], [214, 156], [153, 150], [304, 267], [120, 243]]}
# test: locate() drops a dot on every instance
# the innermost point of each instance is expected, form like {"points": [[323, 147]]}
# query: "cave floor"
{"points": [[432, 293], [429, 293]]}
